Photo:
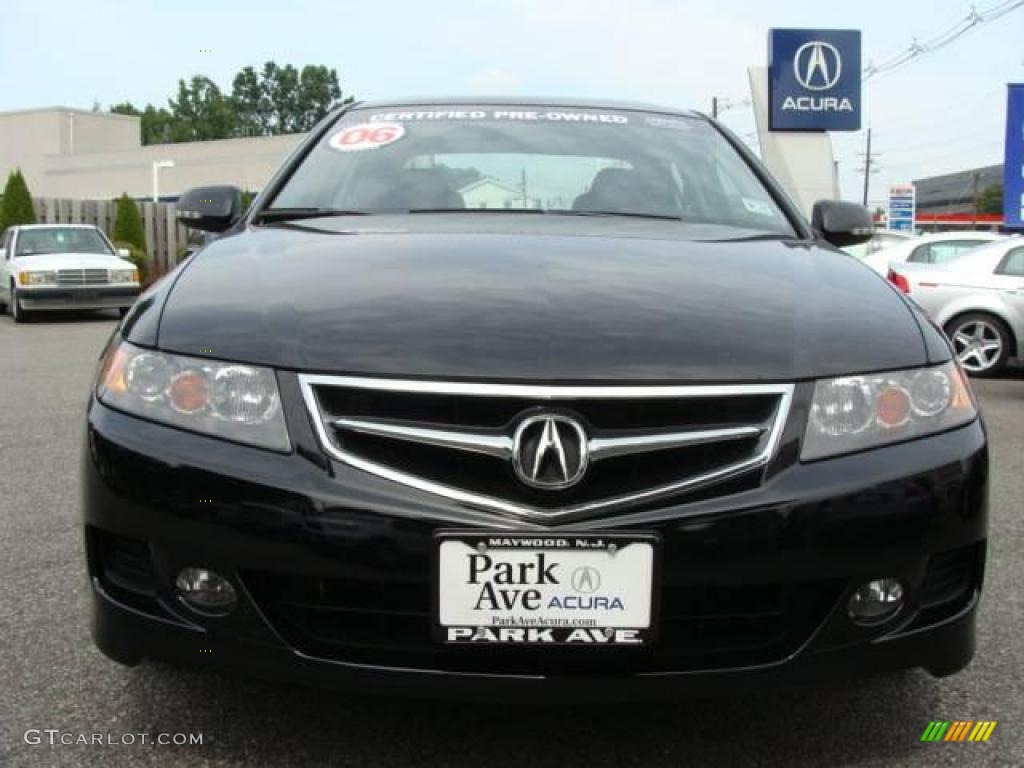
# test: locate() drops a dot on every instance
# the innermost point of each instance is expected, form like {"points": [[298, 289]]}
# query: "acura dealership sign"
{"points": [[1013, 165], [814, 79]]}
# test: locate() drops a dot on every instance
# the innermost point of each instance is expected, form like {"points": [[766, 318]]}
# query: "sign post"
{"points": [[902, 208], [812, 85], [1013, 162]]}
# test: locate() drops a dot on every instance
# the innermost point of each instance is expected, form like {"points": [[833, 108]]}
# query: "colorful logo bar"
{"points": [[959, 730]]}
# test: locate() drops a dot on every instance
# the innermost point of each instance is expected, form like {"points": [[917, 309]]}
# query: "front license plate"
{"points": [[528, 589]]}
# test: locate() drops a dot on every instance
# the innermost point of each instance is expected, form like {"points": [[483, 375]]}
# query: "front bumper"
{"points": [[78, 297], [779, 563]]}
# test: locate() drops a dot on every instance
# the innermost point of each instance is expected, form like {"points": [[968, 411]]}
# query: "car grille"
{"points": [[713, 433], [82, 277], [389, 624]]}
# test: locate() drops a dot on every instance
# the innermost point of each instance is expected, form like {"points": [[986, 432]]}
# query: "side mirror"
{"points": [[211, 209], [124, 253], [842, 223]]}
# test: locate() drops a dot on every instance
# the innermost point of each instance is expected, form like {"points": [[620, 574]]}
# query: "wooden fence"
{"points": [[165, 237]]}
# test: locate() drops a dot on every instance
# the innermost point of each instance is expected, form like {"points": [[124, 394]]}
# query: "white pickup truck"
{"points": [[63, 266]]}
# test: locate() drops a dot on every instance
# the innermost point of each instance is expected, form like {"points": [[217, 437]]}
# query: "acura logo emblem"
{"points": [[817, 65], [585, 580], [549, 451]]}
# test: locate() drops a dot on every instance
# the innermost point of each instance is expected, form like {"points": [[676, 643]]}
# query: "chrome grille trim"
{"points": [[501, 446], [82, 277], [308, 383]]}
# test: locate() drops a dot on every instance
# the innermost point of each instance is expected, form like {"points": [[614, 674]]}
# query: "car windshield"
{"points": [[530, 160], [60, 240]]}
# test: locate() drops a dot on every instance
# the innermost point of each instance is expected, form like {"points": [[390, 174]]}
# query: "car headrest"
{"points": [[627, 190]]}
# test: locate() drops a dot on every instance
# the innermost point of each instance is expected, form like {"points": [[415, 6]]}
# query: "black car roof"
{"points": [[522, 101]]}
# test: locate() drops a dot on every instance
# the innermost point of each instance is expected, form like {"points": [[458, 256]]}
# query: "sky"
{"points": [[943, 112]]}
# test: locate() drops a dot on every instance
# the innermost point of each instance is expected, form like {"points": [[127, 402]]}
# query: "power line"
{"points": [[916, 49]]}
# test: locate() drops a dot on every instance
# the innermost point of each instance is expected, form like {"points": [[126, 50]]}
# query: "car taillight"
{"points": [[899, 281]]}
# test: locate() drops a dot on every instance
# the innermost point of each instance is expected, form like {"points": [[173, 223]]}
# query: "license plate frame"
{"points": [[599, 543]]}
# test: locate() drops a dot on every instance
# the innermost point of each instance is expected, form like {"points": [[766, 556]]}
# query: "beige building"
{"points": [[74, 153], [491, 193]]}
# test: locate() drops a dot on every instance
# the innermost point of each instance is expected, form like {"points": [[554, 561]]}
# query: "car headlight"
{"points": [[124, 275], [48, 277], [226, 400], [852, 413]]}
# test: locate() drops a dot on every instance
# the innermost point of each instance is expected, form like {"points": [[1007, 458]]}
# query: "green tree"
{"points": [[253, 111], [265, 102], [990, 199], [156, 124], [128, 224], [283, 99], [201, 112], [318, 92], [17, 202], [281, 85], [128, 232]]}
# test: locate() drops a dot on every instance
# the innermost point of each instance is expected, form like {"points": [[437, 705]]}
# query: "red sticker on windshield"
{"points": [[357, 138]]}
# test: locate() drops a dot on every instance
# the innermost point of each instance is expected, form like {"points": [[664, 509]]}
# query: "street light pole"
{"points": [[157, 165]]}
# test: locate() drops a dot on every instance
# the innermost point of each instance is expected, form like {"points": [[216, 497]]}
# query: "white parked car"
{"points": [[978, 299], [63, 266], [880, 240], [929, 249]]}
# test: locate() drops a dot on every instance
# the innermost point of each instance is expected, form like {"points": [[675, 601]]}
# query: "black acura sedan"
{"points": [[488, 399]]}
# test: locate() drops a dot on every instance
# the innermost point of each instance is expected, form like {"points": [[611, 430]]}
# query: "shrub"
{"points": [[128, 224], [17, 202], [136, 256]]}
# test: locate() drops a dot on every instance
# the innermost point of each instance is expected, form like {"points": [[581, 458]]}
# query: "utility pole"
{"points": [[867, 166], [720, 105]]}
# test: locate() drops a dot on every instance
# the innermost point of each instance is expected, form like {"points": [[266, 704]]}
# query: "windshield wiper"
{"points": [[749, 238], [627, 214], [543, 212], [295, 214], [473, 210]]}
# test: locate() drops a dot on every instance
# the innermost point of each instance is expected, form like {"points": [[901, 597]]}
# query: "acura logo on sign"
{"points": [[549, 451], [817, 65], [814, 79]]}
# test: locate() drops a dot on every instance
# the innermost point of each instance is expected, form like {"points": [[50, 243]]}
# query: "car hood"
{"points": [[540, 307], [72, 261]]}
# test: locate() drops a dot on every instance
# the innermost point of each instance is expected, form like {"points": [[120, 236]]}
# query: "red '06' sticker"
{"points": [[356, 138]]}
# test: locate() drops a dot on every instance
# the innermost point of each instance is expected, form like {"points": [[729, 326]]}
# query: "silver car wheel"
{"points": [[978, 345]]}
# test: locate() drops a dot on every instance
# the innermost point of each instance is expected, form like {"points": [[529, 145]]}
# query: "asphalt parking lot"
{"points": [[51, 677]]}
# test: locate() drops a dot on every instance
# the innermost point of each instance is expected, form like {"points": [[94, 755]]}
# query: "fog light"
{"points": [[876, 601], [205, 591]]}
